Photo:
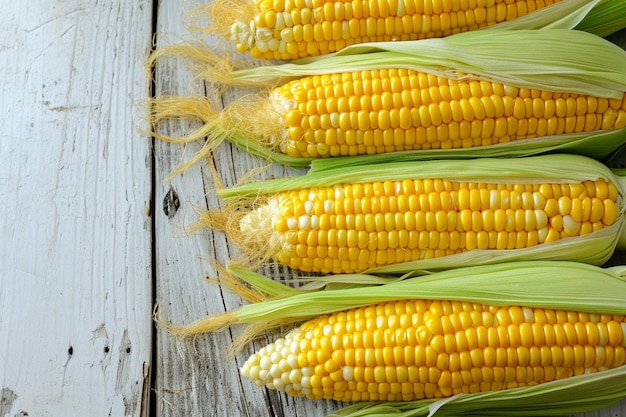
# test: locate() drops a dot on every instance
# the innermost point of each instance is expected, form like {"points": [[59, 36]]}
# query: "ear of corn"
{"points": [[467, 95], [423, 349], [555, 320], [398, 217], [288, 30]]}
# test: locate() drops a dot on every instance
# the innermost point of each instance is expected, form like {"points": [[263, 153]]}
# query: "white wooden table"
{"points": [[91, 237]]}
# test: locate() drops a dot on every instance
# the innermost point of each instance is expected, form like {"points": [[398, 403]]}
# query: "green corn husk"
{"points": [[496, 55], [562, 61], [594, 248], [605, 18], [547, 284]]}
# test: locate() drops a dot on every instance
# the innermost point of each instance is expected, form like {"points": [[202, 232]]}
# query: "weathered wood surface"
{"points": [[75, 181], [195, 376]]}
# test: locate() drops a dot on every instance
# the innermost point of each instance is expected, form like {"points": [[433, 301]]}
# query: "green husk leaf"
{"points": [[547, 284], [261, 283], [274, 289], [605, 18], [254, 147], [534, 169], [562, 60]]}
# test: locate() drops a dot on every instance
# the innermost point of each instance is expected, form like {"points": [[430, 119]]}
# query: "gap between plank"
{"points": [[152, 398]]}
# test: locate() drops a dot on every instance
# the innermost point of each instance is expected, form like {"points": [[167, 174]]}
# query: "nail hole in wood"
{"points": [[170, 203]]}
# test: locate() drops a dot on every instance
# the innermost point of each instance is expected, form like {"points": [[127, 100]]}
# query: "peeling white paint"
{"points": [[75, 251]]}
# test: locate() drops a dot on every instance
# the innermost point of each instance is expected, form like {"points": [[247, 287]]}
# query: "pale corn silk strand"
{"points": [[289, 30], [300, 240], [537, 285], [278, 127]]}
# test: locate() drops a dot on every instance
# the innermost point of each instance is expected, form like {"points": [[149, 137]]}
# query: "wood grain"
{"points": [[75, 292]]}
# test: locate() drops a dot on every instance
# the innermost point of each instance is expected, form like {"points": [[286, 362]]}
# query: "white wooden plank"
{"points": [[195, 376], [75, 292]]}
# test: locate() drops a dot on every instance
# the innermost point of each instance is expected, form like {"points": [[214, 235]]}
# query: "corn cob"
{"points": [[324, 27], [414, 349], [537, 330], [390, 110], [420, 101], [389, 216], [287, 30], [379, 111]]}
